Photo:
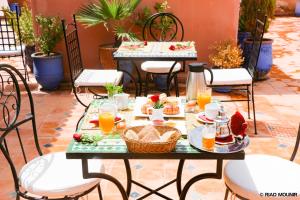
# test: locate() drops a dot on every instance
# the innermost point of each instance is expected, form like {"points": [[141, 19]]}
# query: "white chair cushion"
{"points": [[53, 175], [233, 76], [262, 174], [15, 52], [96, 77], [160, 66]]}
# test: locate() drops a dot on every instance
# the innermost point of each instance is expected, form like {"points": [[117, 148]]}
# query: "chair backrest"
{"points": [[73, 48], [257, 38], [296, 145], [11, 117], [10, 35], [163, 27]]}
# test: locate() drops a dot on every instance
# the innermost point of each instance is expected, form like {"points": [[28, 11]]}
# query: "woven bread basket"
{"points": [[137, 146]]}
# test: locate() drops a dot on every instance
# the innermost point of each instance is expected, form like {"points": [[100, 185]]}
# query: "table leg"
{"points": [[170, 77], [217, 175], [131, 77], [179, 175], [87, 174], [139, 77], [129, 176]]}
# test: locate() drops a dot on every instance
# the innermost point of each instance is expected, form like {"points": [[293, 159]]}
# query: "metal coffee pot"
{"points": [[196, 82]]}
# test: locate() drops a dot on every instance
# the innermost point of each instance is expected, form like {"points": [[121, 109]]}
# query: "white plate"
{"points": [[201, 120], [195, 139], [140, 101]]}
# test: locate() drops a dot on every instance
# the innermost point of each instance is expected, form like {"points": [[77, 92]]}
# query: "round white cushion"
{"points": [[55, 176], [160, 66], [259, 174]]}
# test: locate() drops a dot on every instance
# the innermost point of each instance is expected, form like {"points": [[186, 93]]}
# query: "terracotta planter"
{"points": [[106, 56]]}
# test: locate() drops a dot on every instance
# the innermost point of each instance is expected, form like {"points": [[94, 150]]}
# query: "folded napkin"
{"points": [[238, 125]]}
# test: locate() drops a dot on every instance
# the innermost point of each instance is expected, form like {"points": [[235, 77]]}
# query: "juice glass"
{"points": [[107, 113], [208, 137], [203, 98]]}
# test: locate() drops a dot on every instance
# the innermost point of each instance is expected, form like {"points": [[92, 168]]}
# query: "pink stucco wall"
{"points": [[204, 21]]}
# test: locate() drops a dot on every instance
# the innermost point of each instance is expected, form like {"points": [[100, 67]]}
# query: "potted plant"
{"points": [[225, 55], [26, 29], [250, 10], [113, 15], [113, 89], [47, 65]]}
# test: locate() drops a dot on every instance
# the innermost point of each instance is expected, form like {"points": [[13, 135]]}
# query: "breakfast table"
{"points": [[113, 147], [154, 51]]}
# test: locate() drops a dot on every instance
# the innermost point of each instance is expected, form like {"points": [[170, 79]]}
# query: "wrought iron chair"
{"points": [[259, 175], [49, 176], [170, 28], [11, 40], [241, 78], [81, 77]]}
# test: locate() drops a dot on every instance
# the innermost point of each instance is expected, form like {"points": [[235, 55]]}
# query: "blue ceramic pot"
{"points": [[126, 66], [265, 60], [48, 70], [297, 8], [222, 89], [242, 36], [14, 7]]}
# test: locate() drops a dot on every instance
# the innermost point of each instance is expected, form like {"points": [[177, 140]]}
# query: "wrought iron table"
{"points": [[113, 147], [153, 51]]}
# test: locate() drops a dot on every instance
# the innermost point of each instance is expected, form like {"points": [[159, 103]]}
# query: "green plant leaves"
{"points": [[50, 33]]}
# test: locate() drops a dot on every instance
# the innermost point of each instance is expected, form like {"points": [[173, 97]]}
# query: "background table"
{"points": [[113, 147], [154, 51]]}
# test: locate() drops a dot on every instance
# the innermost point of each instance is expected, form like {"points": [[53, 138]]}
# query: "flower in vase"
{"points": [[157, 103]]}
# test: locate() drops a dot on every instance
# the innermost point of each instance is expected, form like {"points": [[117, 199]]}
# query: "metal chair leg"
{"points": [[226, 194], [253, 105], [248, 102], [146, 84], [99, 192], [176, 85]]}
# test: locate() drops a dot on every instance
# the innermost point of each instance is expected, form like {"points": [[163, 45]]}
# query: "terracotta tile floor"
{"points": [[278, 115]]}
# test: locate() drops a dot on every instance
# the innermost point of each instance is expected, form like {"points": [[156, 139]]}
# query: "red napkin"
{"points": [[238, 125], [225, 140]]}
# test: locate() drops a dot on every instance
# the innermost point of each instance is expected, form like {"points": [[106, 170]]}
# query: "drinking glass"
{"points": [[107, 113], [204, 98], [208, 137]]}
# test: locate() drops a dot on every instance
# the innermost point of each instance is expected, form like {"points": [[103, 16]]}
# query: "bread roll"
{"points": [[150, 137], [168, 136], [130, 134], [148, 129]]}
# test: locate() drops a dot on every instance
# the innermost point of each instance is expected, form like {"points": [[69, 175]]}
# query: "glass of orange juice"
{"points": [[107, 113], [208, 137], [203, 98]]}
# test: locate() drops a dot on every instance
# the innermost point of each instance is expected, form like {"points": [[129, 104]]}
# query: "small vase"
{"points": [[157, 115]]}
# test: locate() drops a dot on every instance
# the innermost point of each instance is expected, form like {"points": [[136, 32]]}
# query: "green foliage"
{"points": [[110, 13], [143, 16], [163, 26], [113, 89], [50, 33], [26, 26], [25, 22], [251, 9]]}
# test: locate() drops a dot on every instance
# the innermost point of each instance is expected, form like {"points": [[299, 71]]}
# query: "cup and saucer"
{"points": [[209, 114]]}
